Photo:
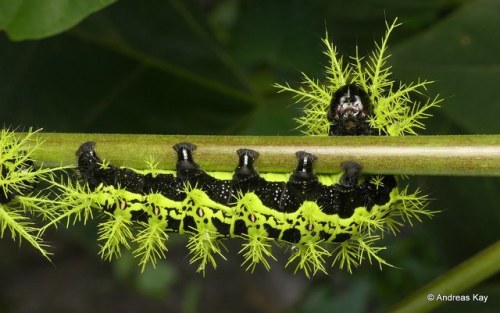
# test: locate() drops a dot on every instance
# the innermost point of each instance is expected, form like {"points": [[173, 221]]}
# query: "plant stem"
{"points": [[474, 155], [461, 278]]}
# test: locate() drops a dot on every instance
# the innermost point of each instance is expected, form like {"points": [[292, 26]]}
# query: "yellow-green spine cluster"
{"points": [[395, 112], [147, 236], [21, 201]]}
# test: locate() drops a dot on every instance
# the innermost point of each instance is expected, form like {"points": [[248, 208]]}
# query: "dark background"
{"points": [[207, 67]]}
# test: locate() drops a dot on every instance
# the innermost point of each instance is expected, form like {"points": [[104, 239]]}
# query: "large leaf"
{"points": [[33, 19]]}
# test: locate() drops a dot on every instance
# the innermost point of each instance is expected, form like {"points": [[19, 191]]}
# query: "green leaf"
{"points": [[33, 19]]}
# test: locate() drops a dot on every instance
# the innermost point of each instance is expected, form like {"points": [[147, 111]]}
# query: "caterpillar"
{"points": [[339, 216], [301, 211]]}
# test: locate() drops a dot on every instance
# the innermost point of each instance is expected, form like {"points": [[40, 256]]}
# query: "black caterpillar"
{"points": [[305, 210], [286, 198]]}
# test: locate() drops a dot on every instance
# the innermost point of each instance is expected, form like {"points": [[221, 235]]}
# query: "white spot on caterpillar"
{"points": [[200, 212]]}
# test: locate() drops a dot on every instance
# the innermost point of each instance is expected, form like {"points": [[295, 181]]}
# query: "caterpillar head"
{"points": [[360, 97], [349, 112]]}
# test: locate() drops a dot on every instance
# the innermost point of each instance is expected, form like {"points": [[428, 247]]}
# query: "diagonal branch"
{"points": [[472, 155]]}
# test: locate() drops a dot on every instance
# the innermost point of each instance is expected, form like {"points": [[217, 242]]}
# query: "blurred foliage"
{"points": [[38, 19], [206, 67]]}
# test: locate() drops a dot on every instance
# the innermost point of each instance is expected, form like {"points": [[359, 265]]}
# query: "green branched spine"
{"points": [[151, 242], [21, 201]]}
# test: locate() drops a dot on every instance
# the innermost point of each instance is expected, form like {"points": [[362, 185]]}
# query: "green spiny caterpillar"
{"points": [[20, 195], [341, 215], [302, 211]]}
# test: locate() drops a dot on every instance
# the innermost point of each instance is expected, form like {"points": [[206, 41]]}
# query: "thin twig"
{"points": [[455, 282], [472, 155]]}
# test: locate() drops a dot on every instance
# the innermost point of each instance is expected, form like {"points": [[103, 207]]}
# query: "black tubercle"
{"points": [[245, 169], [352, 170], [304, 170], [302, 185], [245, 177], [186, 167], [349, 111]]}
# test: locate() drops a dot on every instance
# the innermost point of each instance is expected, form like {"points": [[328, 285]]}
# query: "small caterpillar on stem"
{"points": [[301, 211]]}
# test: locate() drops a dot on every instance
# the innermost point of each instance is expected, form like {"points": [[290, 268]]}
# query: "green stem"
{"points": [[474, 155], [466, 275]]}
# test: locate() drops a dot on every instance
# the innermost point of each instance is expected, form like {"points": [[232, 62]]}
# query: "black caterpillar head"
{"points": [[349, 111]]}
